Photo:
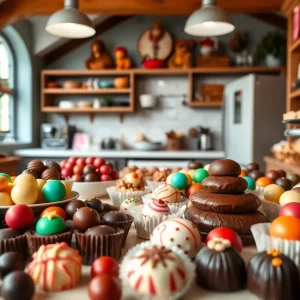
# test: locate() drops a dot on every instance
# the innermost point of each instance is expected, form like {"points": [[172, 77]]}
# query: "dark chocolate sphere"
{"points": [[72, 207], [8, 233], [17, 285], [253, 166], [54, 165], [36, 166], [96, 204], [224, 167], [107, 207], [294, 178], [105, 287], [114, 216], [273, 175], [271, 275], [195, 165], [285, 183], [282, 173], [11, 261], [85, 218], [220, 270], [89, 169], [100, 230], [33, 173], [91, 177], [256, 174], [50, 174]]}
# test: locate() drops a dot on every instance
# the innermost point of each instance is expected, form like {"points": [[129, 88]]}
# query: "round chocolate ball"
{"points": [[17, 285], [294, 178], [273, 175], [89, 169], [224, 167], [256, 174], [50, 174], [33, 173], [195, 165], [54, 165], [107, 207], [282, 173], [8, 233], [91, 177], [96, 204], [114, 216], [285, 183], [100, 230], [11, 261], [253, 166], [36, 166], [72, 207], [85, 218]]}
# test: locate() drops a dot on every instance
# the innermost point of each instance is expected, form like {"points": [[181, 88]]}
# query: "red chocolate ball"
{"points": [[105, 265], [85, 218], [19, 217], [290, 209], [105, 287]]}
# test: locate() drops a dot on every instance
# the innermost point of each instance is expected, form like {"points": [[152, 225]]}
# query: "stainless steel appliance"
{"points": [[205, 140], [55, 136]]}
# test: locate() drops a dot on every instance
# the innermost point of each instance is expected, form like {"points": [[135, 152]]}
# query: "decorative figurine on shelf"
{"points": [[155, 45], [122, 60], [182, 57], [100, 59], [207, 46]]}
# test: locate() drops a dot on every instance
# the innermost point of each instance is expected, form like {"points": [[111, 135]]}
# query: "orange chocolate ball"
{"points": [[244, 173], [286, 227], [193, 188], [263, 182]]}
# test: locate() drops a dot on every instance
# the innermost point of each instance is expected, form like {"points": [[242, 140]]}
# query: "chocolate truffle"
{"points": [[220, 268], [72, 207], [253, 166], [89, 169], [11, 261], [54, 165], [285, 183], [256, 174], [8, 233], [100, 230], [273, 175], [114, 216], [195, 165], [50, 174], [36, 166], [272, 275], [224, 167], [85, 218], [107, 207], [282, 173], [17, 285], [294, 178], [32, 172], [91, 177], [96, 204]]}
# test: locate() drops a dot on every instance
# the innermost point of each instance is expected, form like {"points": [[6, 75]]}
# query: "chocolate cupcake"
{"points": [[118, 219], [101, 240], [220, 268], [50, 229], [12, 240], [272, 275]]}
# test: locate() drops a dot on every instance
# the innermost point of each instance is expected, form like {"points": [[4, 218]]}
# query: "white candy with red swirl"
{"points": [[180, 233], [166, 192], [156, 208]]}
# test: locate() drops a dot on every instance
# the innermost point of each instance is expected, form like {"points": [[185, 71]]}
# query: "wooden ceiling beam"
{"points": [[75, 43], [272, 19], [19, 9]]}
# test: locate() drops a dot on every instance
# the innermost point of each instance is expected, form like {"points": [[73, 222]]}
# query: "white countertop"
{"points": [[38, 152]]}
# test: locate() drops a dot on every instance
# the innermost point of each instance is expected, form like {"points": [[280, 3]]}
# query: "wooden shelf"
{"points": [[63, 91], [114, 109], [295, 46], [295, 94], [200, 104], [5, 91], [238, 70]]}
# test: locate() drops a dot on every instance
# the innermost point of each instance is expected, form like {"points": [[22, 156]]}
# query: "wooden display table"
{"points": [[195, 293], [10, 165], [273, 164]]}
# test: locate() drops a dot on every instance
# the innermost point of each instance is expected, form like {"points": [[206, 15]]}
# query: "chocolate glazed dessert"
{"points": [[224, 203]]}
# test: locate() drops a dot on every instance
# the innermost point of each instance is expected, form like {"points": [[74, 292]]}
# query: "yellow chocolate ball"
{"points": [[68, 188], [169, 179], [24, 193], [289, 196], [41, 183], [5, 199], [26, 179], [191, 172], [273, 192], [190, 179]]}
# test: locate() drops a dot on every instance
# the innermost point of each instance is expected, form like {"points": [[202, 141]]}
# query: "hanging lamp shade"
{"points": [[70, 22], [210, 20]]}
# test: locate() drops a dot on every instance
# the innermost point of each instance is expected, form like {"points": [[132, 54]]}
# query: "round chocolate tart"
{"points": [[273, 276], [224, 167], [220, 268], [221, 203], [224, 184]]}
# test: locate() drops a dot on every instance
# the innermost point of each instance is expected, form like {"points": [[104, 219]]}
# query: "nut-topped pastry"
{"points": [[131, 182]]}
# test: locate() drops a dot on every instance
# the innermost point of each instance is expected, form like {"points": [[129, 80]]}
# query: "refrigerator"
{"points": [[253, 109]]}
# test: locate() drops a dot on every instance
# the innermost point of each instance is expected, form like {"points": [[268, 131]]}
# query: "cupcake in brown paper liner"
{"points": [[101, 240], [50, 229], [12, 240], [118, 219]]}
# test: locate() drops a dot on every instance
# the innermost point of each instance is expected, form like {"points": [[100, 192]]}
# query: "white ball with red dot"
{"points": [[179, 233]]}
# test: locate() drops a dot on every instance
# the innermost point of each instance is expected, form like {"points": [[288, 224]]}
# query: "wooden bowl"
{"points": [[121, 82], [71, 84]]}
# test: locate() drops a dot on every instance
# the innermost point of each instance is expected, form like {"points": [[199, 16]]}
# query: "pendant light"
{"points": [[209, 21], [70, 22]]}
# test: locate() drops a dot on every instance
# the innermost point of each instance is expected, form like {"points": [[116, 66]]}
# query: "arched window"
{"points": [[6, 89]]}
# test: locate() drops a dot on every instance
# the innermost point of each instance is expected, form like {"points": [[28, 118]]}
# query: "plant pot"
{"points": [[272, 61]]}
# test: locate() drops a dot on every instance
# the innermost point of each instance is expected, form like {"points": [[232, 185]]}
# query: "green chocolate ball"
{"points": [[250, 182], [200, 175], [54, 225], [54, 191], [179, 180]]}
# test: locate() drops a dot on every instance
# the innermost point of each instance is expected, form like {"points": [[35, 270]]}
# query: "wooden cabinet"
{"points": [[10, 165]]}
